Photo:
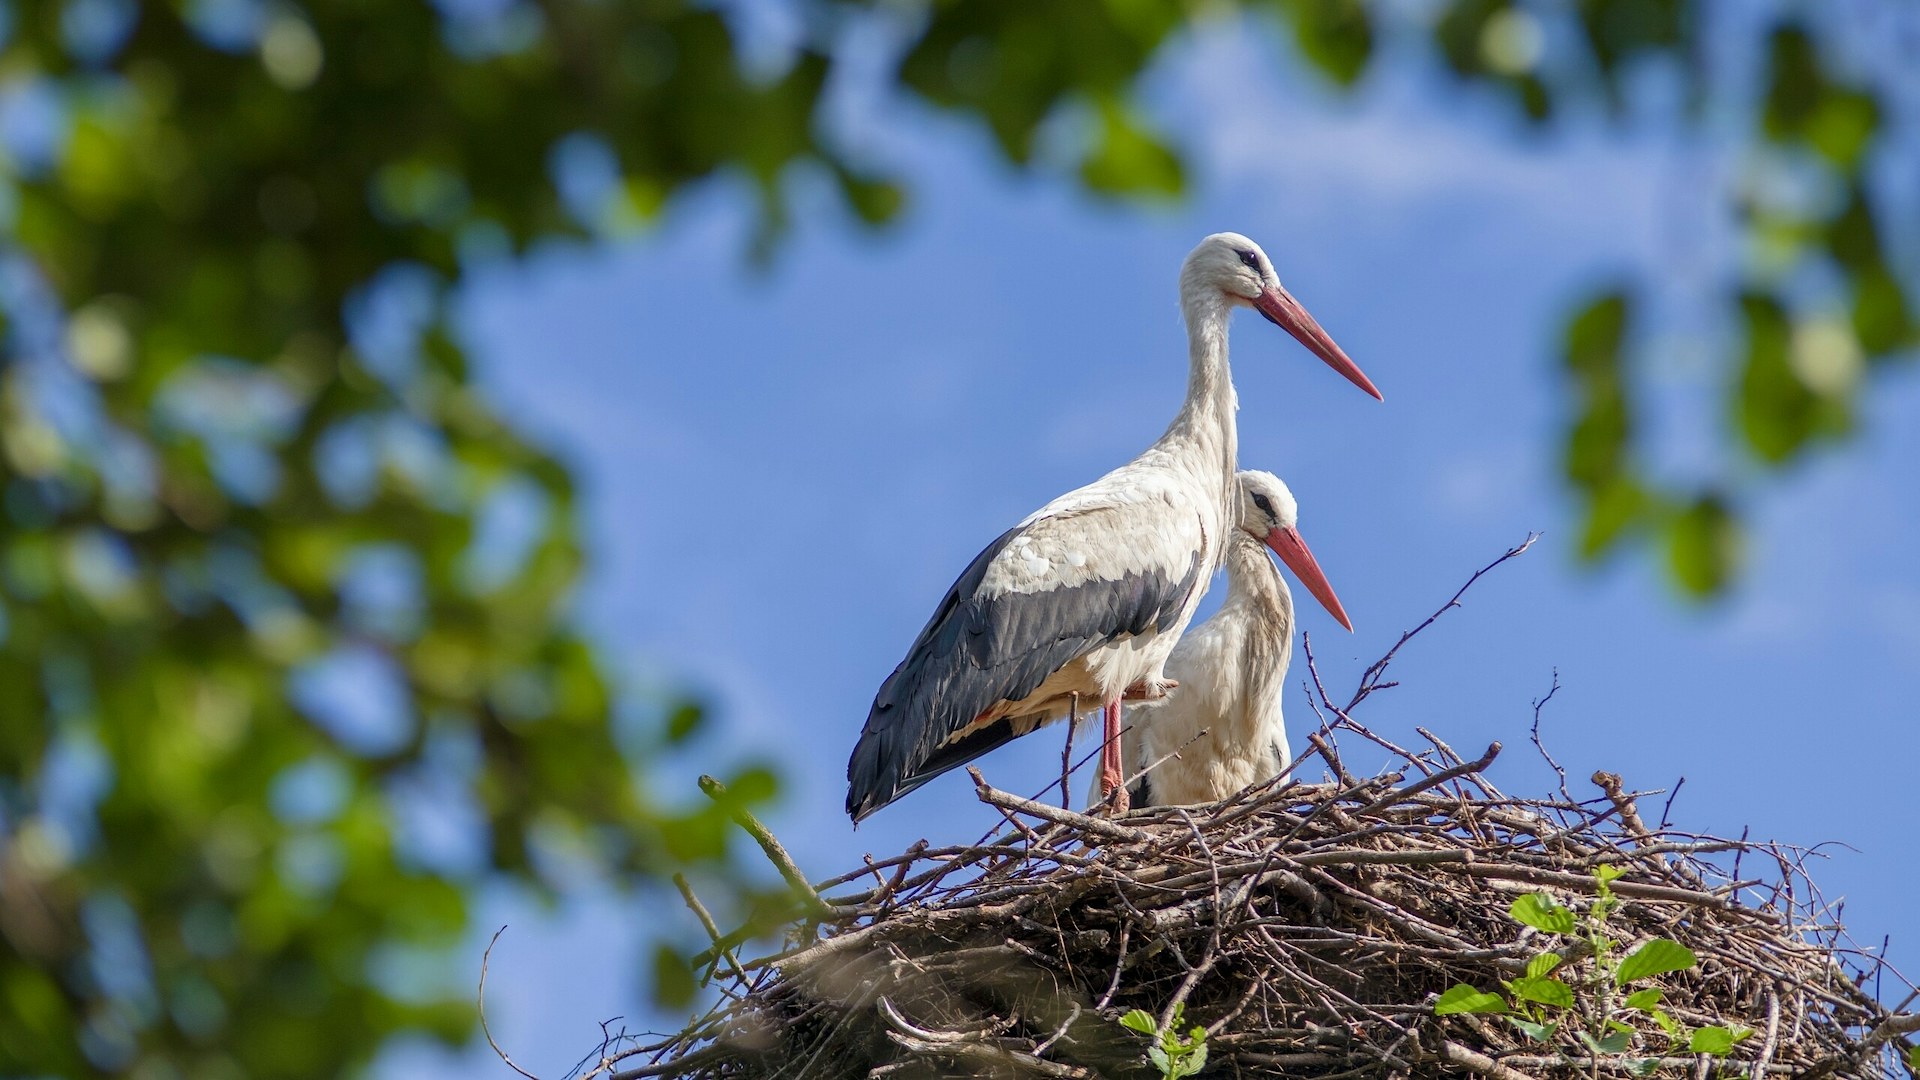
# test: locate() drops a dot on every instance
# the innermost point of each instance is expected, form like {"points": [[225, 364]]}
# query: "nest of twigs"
{"points": [[1310, 928]]}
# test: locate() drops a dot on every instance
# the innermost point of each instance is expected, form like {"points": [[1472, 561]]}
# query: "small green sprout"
{"points": [[1173, 1055], [1543, 1002]]}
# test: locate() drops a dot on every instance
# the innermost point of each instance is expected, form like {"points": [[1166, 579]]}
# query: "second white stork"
{"points": [[1222, 730], [1088, 595]]}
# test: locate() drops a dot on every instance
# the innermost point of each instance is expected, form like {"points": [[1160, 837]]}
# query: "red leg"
{"points": [[1113, 777]]}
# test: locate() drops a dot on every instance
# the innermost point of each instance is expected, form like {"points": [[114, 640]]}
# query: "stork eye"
{"points": [[1265, 504], [1249, 260]]}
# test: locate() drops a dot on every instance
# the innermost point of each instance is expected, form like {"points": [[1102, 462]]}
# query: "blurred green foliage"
{"points": [[1815, 113], [274, 577]]}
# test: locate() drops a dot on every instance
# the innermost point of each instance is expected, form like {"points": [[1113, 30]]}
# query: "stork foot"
{"points": [[1150, 690]]}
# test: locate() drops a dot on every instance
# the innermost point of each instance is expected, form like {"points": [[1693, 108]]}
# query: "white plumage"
{"points": [[1088, 595], [1223, 728]]}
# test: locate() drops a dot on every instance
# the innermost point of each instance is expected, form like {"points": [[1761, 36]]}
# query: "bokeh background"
{"points": [[432, 435]]}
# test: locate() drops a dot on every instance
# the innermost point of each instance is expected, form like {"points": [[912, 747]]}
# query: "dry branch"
{"points": [[1309, 927]]}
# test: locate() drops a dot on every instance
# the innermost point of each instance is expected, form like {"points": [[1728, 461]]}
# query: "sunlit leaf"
{"points": [[1551, 992], [1645, 1000], [1718, 1041], [1539, 911], [1462, 998], [1140, 1020], [1540, 965], [1656, 957]]}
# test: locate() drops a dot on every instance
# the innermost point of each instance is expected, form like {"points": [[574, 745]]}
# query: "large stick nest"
{"points": [[1309, 927]]}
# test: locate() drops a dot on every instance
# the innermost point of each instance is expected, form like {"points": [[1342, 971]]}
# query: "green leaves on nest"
{"points": [[1656, 957], [1174, 1055], [1540, 912], [1542, 1003]]}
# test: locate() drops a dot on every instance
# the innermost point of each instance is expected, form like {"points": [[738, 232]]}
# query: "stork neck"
{"points": [[1255, 583], [1205, 424]]}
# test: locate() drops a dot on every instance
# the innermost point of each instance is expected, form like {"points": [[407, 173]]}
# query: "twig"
{"points": [[993, 796], [1370, 679], [706, 920], [776, 852], [1480, 1063], [1539, 704], [481, 995]]}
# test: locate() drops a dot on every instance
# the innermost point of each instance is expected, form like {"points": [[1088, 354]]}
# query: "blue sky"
{"points": [[783, 470]]}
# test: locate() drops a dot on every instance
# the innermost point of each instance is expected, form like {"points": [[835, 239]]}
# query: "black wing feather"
{"points": [[977, 651]]}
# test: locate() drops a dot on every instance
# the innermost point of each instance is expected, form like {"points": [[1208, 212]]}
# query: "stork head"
{"points": [[1269, 514], [1234, 268]]}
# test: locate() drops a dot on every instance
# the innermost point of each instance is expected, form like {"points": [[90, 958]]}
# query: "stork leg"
{"points": [[1113, 777]]}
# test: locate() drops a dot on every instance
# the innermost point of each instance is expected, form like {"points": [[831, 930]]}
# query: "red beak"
{"points": [[1283, 311], [1292, 550]]}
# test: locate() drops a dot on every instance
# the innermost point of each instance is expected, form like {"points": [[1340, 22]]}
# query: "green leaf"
{"points": [[1643, 1066], [1716, 1040], [1129, 159], [1703, 545], [1607, 873], [1335, 35], [1462, 998], [1140, 1020], [1614, 1043], [1667, 1023], [684, 721], [673, 981], [1537, 1032], [1656, 957], [1544, 991], [1645, 1000], [1540, 912], [1913, 1058], [1160, 1060], [1193, 1063], [1778, 411], [1542, 964]]}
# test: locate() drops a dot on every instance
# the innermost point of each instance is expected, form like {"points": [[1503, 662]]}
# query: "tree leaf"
{"points": [[1540, 912], [1644, 1000], [1544, 991], [1129, 159], [1615, 1042], [1656, 957], [1140, 1020], [1462, 998], [673, 981], [1542, 964], [1703, 545], [1607, 873], [1335, 35], [1716, 1040], [1160, 1060], [1194, 1061], [1537, 1032]]}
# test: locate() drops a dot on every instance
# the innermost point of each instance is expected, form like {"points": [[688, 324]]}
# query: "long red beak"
{"points": [[1283, 311], [1292, 550]]}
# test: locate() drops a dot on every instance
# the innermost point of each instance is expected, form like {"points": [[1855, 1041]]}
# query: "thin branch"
{"points": [[481, 995]]}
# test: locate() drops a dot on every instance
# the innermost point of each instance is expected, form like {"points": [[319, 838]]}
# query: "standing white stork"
{"points": [[1088, 595], [1222, 729]]}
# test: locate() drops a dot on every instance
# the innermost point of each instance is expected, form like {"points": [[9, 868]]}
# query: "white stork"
{"points": [[1222, 729], [1088, 595]]}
